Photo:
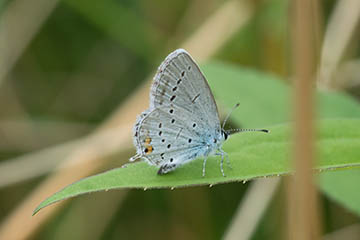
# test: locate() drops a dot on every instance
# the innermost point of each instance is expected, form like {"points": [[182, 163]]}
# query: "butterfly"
{"points": [[182, 122]]}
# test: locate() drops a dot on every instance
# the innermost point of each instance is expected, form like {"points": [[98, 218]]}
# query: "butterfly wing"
{"points": [[179, 82]]}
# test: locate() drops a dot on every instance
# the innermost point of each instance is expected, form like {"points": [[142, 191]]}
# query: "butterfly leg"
{"points": [[221, 163], [222, 153], [165, 168], [227, 158], [204, 164], [133, 158]]}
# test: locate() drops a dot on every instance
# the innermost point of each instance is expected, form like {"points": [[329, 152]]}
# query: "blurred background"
{"points": [[71, 68]]}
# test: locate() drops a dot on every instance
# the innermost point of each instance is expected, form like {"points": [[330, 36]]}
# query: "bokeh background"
{"points": [[71, 68]]}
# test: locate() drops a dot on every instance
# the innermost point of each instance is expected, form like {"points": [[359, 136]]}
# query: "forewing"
{"points": [[179, 82]]}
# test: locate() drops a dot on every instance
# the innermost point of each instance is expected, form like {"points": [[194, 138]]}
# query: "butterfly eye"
{"points": [[225, 135]]}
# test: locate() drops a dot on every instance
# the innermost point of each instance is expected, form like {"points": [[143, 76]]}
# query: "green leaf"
{"points": [[251, 154], [342, 186], [265, 100]]}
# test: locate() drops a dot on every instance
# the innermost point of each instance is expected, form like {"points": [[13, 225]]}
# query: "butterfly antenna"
{"points": [[237, 130], [227, 117]]}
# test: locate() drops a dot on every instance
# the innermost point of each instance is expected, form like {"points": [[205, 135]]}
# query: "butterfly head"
{"points": [[226, 133]]}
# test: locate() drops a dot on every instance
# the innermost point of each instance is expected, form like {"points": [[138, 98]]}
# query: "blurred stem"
{"points": [[343, 23], [229, 18], [19, 23], [252, 208], [302, 192], [19, 134]]}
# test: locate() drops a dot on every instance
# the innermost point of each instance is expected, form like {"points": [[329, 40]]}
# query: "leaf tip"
{"points": [[37, 209]]}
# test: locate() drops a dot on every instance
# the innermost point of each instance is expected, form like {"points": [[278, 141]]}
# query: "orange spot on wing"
{"points": [[149, 149]]}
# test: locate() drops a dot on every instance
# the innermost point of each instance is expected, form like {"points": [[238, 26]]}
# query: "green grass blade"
{"points": [[252, 155]]}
